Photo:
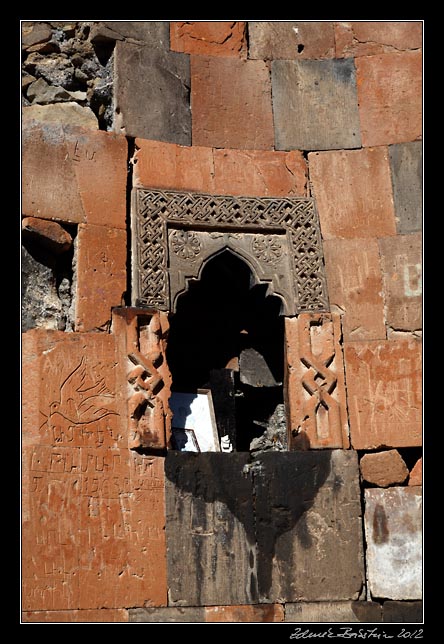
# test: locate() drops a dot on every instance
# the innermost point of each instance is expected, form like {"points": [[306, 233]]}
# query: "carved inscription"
{"points": [[77, 396], [155, 212]]}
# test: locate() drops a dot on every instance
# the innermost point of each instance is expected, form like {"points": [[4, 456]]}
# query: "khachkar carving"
{"points": [[143, 333], [315, 382], [286, 230]]}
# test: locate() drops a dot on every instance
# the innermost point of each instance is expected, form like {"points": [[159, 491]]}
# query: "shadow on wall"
{"points": [[269, 497]]}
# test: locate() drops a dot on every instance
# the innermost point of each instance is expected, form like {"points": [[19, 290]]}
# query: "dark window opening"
{"points": [[227, 335]]}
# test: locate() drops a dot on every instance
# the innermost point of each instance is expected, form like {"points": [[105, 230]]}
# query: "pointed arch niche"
{"points": [[229, 270]]}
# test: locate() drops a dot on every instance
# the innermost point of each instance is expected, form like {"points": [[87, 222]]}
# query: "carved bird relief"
{"points": [[79, 403]]}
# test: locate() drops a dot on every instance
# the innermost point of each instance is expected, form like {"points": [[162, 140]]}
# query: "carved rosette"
{"points": [[267, 248], [185, 244]]}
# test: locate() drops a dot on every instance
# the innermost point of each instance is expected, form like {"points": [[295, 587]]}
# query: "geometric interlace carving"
{"points": [[156, 211]]}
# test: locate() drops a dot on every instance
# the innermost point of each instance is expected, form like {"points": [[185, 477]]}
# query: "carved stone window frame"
{"points": [[155, 212]]}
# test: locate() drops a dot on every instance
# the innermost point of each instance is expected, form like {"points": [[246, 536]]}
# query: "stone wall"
{"points": [[118, 527]]}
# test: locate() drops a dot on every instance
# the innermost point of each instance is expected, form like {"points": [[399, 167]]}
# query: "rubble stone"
{"points": [[383, 468]]}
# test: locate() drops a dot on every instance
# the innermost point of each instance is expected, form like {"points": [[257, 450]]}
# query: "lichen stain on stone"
{"points": [[380, 528]]}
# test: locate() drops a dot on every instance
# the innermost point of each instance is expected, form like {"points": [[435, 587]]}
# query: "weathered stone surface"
{"points": [[401, 258], [256, 613], [308, 526], [69, 113], [415, 477], [355, 287], [231, 172], [48, 233], [404, 612], [393, 528], [167, 615], [384, 388], [145, 76], [77, 616], [93, 513], [260, 173], [384, 468], [209, 38], [238, 552], [73, 174], [315, 105], [376, 37], [316, 402], [147, 32], [390, 97], [291, 40], [231, 103], [406, 170], [349, 611], [100, 277], [353, 193], [209, 529]]}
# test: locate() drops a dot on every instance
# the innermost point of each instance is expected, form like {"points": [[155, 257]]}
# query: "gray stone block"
{"points": [[393, 529], [308, 526], [406, 171], [326, 612], [404, 612], [152, 94], [285, 527], [211, 552], [168, 614], [315, 104]]}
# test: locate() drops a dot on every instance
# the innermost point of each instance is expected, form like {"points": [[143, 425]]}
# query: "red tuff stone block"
{"points": [[233, 172], [384, 468], [209, 38], [73, 174], [355, 287], [390, 97], [401, 258], [315, 382], [101, 275], [376, 37], [76, 616], [177, 167], [260, 173], [353, 193], [87, 540], [255, 613], [415, 477], [384, 393], [231, 103], [144, 376]]}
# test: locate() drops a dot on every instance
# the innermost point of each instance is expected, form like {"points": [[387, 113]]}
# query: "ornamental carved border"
{"points": [[155, 212]]}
